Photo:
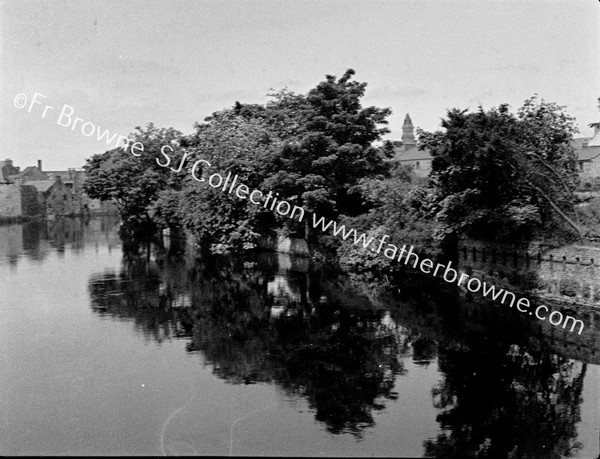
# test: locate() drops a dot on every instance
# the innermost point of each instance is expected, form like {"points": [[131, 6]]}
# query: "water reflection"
{"points": [[501, 385], [34, 240], [252, 326], [507, 406], [314, 336], [508, 387]]}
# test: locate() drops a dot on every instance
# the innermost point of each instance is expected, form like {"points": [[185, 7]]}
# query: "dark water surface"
{"points": [[111, 348]]}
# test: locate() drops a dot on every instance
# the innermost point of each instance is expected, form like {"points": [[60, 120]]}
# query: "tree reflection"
{"points": [[151, 295], [342, 360], [499, 399], [521, 405], [314, 337]]}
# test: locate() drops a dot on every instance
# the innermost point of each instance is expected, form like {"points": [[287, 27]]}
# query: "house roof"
{"points": [[41, 185], [64, 173], [587, 148], [412, 153], [24, 172], [67, 176], [587, 153], [578, 143]]}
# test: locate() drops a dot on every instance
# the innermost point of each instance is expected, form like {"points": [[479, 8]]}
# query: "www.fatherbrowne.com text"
{"points": [[231, 184]]}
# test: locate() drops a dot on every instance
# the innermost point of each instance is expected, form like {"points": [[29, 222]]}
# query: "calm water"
{"points": [[112, 348]]}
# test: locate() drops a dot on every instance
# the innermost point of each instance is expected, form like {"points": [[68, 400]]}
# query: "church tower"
{"points": [[408, 135]]}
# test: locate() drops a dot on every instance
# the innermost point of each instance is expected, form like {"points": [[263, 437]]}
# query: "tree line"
{"points": [[495, 174]]}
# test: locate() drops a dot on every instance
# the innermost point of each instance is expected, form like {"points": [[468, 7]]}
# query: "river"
{"points": [[136, 349]]}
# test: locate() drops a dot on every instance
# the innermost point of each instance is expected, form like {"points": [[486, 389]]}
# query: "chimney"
{"points": [[40, 164]]}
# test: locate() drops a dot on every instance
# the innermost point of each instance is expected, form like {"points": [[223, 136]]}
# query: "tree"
{"points": [[231, 143], [402, 208], [550, 159], [328, 148], [312, 150], [497, 175], [133, 177]]}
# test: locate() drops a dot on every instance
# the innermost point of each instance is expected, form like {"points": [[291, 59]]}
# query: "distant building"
{"points": [[406, 151], [7, 169], [588, 153], [34, 192], [10, 201], [28, 174], [55, 198], [72, 179]]}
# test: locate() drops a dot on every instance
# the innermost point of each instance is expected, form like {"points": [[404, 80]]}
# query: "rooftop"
{"points": [[587, 148], [588, 153], [411, 153], [41, 185]]}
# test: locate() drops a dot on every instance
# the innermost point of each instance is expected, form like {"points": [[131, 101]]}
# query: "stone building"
{"points": [[588, 153], [28, 174], [406, 151], [6, 170], [10, 201], [55, 198], [73, 179]]}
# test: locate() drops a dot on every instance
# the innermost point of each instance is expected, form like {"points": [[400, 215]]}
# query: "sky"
{"points": [[122, 64]]}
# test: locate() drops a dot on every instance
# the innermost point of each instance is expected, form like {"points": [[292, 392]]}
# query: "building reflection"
{"points": [[34, 240]]}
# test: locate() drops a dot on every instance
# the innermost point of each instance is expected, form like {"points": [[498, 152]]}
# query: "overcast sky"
{"points": [[122, 64]]}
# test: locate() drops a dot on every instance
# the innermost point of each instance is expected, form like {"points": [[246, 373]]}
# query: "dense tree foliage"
{"points": [[236, 144], [495, 174], [500, 175], [320, 165], [311, 150], [133, 178], [401, 207]]}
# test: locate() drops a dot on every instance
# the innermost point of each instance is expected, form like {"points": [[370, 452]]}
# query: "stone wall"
{"points": [[566, 279], [570, 274], [10, 201]]}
